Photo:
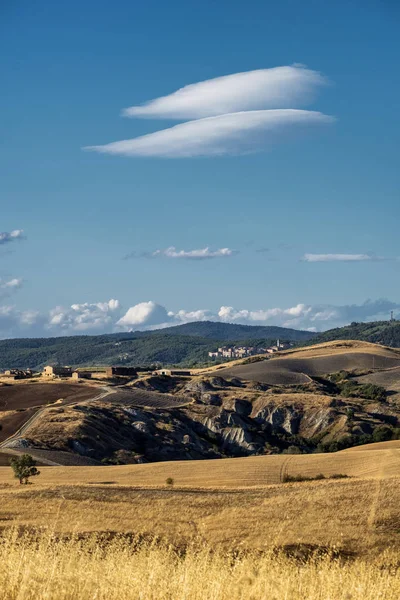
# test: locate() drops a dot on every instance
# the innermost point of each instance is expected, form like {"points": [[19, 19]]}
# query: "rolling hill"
{"points": [[242, 501], [303, 400], [296, 367], [184, 345]]}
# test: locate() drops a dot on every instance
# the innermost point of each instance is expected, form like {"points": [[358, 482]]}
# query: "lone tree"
{"points": [[24, 467]]}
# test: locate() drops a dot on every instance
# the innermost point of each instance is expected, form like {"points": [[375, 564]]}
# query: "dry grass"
{"points": [[358, 515], [377, 462], [103, 533], [75, 570]]}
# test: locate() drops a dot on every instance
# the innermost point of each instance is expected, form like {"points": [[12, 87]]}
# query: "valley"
{"points": [[265, 463], [314, 399]]}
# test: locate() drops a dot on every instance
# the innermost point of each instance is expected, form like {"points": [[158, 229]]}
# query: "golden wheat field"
{"points": [[74, 569], [376, 460], [223, 529]]}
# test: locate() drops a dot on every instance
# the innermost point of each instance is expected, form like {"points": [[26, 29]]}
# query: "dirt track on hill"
{"points": [[20, 402]]}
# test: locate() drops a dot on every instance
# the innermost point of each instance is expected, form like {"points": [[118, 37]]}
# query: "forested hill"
{"points": [[386, 333], [186, 344], [232, 332]]}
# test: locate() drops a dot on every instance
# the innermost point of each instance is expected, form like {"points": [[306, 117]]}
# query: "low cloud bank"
{"points": [[106, 317]]}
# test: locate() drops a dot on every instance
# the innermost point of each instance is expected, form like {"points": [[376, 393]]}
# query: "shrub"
{"points": [[292, 450], [293, 478], [169, 481], [382, 434]]}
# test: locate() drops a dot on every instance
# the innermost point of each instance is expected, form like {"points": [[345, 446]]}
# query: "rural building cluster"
{"points": [[108, 372], [17, 373], [243, 351], [62, 372]]}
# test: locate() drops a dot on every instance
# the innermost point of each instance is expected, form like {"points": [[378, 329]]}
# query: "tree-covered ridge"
{"points": [[231, 332], [184, 345], [377, 332]]}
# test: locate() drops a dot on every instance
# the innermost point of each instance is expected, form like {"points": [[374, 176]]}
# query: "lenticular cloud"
{"points": [[235, 114], [281, 87], [236, 133]]}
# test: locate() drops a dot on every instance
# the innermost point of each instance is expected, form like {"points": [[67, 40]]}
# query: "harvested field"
{"points": [[390, 445], [11, 421], [389, 379], [228, 473], [5, 458], [29, 395], [62, 458], [273, 372], [355, 515], [295, 368], [145, 399], [18, 403]]}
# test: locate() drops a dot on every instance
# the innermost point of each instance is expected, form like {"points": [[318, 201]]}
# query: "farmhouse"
{"points": [[50, 371], [173, 372], [121, 372], [17, 373], [81, 375]]}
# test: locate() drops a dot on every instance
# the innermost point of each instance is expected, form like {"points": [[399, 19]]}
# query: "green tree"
{"points": [[24, 467]]}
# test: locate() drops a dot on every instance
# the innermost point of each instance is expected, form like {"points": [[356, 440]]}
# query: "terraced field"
{"points": [[145, 399]]}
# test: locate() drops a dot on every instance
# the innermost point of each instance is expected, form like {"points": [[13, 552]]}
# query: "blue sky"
{"points": [[331, 192]]}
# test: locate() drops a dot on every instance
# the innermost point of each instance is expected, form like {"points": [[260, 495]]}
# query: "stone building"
{"points": [[50, 371]]}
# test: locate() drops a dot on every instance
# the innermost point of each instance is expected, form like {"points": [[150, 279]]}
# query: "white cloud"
{"points": [[228, 314], [11, 284], [148, 315], [339, 257], [172, 252], [97, 316], [234, 133], [280, 87], [6, 237], [144, 315], [184, 316], [200, 254]]}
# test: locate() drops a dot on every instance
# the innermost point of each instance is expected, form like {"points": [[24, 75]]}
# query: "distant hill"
{"points": [[230, 332], [184, 345], [386, 333]]}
